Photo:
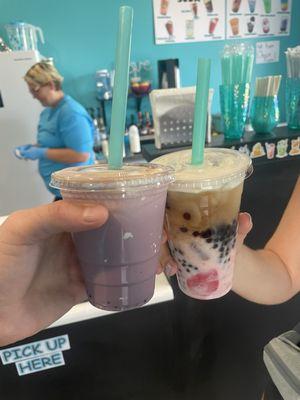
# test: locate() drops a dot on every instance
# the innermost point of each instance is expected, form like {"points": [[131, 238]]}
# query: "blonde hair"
{"points": [[42, 73]]}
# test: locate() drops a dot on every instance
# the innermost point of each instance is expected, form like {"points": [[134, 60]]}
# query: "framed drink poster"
{"points": [[258, 18], [182, 21]]}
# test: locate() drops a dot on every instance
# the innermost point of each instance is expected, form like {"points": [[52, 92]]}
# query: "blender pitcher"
{"points": [[32, 33], [23, 36]]}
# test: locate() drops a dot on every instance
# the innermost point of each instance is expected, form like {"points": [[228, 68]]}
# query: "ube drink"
{"points": [[201, 214], [119, 260]]}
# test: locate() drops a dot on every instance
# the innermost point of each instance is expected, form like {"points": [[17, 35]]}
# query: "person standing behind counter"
{"points": [[65, 130]]}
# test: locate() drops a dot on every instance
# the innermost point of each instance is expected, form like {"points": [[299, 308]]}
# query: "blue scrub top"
{"points": [[67, 125]]}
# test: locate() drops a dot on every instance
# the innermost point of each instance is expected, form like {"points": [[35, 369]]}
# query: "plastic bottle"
{"points": [[134, 139]]}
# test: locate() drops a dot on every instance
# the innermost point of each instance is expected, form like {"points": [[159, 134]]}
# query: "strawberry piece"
{"points": [[207, 282]]}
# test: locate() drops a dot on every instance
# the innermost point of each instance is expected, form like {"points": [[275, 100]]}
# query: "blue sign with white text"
{"points": [[37, 356]]}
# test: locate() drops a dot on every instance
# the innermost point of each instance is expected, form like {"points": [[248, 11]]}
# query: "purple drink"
{"points": [[119, 260]]}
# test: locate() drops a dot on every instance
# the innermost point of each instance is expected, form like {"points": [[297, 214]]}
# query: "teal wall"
{"points": [[81, 35]]}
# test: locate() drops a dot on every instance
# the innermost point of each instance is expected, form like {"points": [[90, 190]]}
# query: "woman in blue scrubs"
{"points": [[65, 131]]}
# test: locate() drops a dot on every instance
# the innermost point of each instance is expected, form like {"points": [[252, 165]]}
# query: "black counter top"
{"points": [[252, 143]]}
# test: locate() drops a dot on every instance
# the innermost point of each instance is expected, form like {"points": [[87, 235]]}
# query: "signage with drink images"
{"points": [[181, 21], [258, 18], [283, 148]]}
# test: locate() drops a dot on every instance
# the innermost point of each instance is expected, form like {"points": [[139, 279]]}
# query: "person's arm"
{"points": [[66, 155], [34, 152], [272, 275], [77, 135]]}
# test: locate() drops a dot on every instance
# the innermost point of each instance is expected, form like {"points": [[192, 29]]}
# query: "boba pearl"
{"points": [[206, 234], [187, 216]]}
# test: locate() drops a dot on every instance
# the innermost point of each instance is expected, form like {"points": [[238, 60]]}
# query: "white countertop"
{"points": [[84, 311]]}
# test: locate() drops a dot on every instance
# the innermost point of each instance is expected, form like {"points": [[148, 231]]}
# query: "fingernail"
{"points": [[91, 214], [249, 217]]}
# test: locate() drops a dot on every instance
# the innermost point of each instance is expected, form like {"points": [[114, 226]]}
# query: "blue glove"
{"points": [[34, 153], [17, 150]]}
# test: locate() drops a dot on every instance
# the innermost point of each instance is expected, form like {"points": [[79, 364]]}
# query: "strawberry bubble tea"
{"points": [[201, 214]]}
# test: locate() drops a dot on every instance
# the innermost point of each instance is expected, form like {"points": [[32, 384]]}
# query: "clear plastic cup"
{"points": [[119, 260], [201, 218]]}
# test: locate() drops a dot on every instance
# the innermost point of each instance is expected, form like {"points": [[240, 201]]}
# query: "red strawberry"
{"points": [[207, 282]]}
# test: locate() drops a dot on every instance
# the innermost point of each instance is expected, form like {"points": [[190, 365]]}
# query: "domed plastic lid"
{"points": [[99, 177], [221, 167]]}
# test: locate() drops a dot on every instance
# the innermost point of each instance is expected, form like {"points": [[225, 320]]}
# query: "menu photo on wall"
{"points": [[181, 21], [258, 18]]}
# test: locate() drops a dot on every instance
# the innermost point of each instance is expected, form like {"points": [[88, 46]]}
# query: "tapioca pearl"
{"points": [[196, 233], [209, 240], [221, 230], [228, 230], [187, 216], [180, 252], [183, 229], [222, 249], [188, 270], [215, 246], [206, 234]]}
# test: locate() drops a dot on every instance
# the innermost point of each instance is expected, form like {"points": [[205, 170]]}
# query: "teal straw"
{"points": [[120, 91], [200, 111], [225, 70], [249, 68]]}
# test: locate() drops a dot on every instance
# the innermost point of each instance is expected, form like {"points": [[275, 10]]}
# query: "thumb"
{"points": [[30, 226], [244, 227]]}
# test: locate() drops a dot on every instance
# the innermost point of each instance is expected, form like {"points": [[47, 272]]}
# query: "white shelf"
{"points": [[85, 311]]}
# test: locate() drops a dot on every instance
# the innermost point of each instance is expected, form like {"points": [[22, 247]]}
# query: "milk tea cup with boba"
{"points": [[201, 218]]}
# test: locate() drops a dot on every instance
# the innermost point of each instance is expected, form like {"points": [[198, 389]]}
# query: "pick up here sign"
{"points": [[37, 356]]}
